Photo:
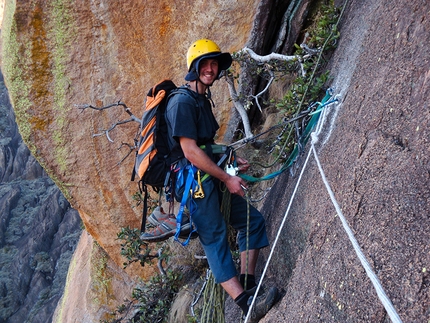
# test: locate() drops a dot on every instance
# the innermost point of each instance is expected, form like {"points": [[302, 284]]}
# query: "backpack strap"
{"points": [[143, 189], [186, 91], [216, 149]]}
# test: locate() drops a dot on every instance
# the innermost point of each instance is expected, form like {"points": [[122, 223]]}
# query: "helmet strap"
{"points": [[198, 80]]}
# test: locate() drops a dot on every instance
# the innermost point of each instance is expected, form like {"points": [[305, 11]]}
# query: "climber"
{"points": [[191, 126]]}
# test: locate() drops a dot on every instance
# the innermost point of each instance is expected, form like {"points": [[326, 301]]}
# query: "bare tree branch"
{"points": [[238, 97], [131, 149], [268, 58], [119, 103], [105, 132], [272, 78], [239, 106]]}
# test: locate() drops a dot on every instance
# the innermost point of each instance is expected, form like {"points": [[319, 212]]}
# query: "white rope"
{"points": [[318, 127], [277, 237], [374, 279], [386, 302]]}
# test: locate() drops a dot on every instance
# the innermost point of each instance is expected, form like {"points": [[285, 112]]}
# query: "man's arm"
{"points": [[202, 161]]}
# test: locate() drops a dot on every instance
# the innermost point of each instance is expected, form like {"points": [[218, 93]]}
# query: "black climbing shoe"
{"points": [[262, 304], [251, 291]]}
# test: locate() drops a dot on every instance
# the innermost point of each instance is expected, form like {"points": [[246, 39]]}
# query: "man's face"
{"points": [[208, 71]]}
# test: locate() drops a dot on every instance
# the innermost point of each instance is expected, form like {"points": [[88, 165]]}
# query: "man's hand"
{"points": [[236, 185], [242, 164], [198, 157]]}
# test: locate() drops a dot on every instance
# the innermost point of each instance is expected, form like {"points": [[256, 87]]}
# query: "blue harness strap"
{"points": [[190, 184]]}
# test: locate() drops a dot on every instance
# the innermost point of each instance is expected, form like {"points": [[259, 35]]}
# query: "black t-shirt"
{"points": [[191, 117]]}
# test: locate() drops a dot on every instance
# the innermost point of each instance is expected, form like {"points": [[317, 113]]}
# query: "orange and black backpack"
{"points": [[153, 156]]}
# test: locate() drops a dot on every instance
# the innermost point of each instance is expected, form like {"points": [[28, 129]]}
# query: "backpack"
{"points": [[153, 156]]}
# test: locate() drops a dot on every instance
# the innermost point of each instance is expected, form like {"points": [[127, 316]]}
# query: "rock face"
{"points": [[375, 153], [39, 230], [95, 285], [374, 147], [57, 56]]}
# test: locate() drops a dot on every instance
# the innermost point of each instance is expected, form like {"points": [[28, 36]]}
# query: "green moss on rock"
{"points": [[35, 69]]}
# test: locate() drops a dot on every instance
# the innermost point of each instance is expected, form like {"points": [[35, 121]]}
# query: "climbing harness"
{"points": [[193, 188], [190, 185]]}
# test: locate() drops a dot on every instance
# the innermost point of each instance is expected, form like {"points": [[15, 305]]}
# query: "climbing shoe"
{"points": [[157, 216], [251, 291], [166, 229], [262, 304]]}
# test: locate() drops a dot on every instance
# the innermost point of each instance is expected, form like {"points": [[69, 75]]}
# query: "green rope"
{"points": [[247, 240], [214, 299], [295, 153], [214, 295]]}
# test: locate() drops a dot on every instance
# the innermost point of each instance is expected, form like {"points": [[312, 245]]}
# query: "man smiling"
{"points": [[191, 127]]}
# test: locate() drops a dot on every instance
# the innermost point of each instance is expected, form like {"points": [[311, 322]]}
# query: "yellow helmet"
{"points": [[205, 48], [199, 48]]}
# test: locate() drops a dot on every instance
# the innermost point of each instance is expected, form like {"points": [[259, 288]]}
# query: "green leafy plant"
{"points": [[134, 249], [151, 301], [156, 296], [305, 89]]}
